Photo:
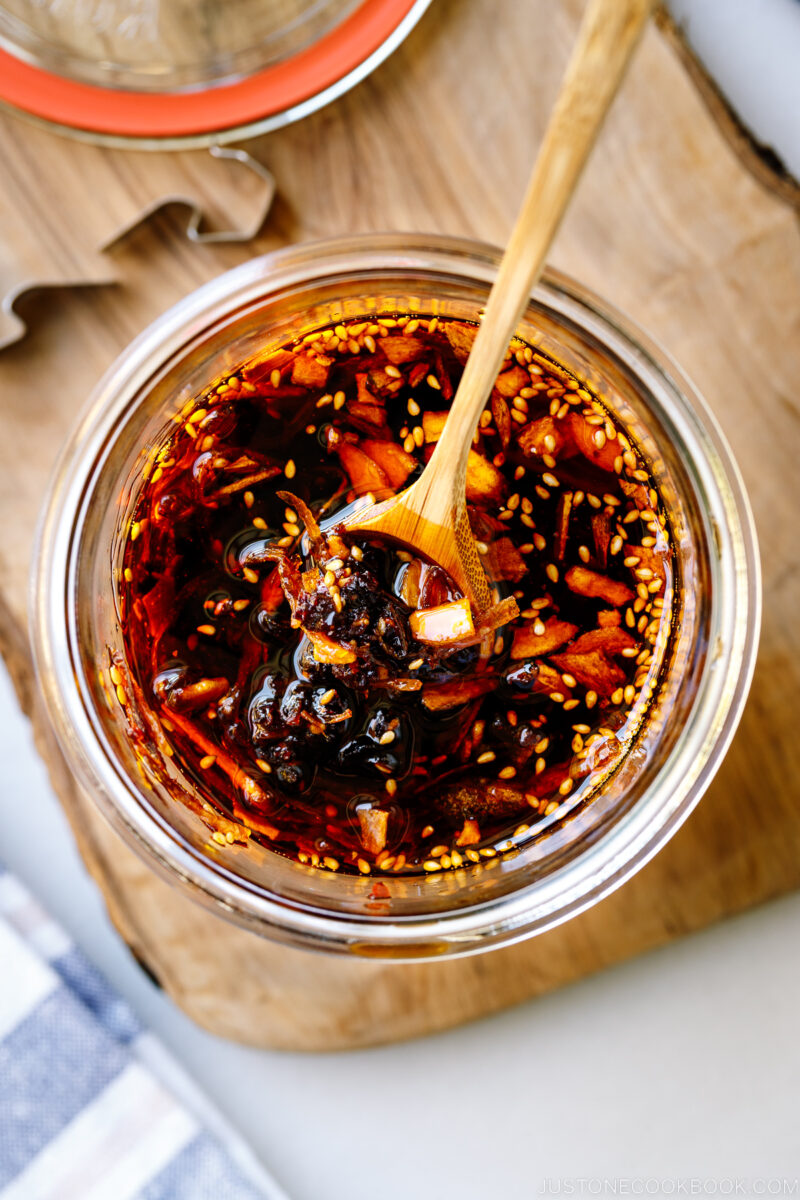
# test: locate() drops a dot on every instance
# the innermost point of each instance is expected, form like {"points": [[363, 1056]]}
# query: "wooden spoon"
{"points": [[430, 518]]}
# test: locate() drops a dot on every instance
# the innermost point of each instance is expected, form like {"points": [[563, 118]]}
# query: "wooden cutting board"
{"points": [[668, 226]]}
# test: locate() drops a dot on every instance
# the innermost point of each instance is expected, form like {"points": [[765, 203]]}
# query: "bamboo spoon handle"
{"points": [[607, 39]]}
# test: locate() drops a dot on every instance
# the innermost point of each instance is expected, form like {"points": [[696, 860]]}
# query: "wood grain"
{"points": [[667, 225], [62, 203]]}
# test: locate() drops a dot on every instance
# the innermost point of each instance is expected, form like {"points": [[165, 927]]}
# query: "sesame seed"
{"points": [[326, 697], [487, 757], [208, 630], [391, 787], [430, 864], [338, 400], [387, 738], [290, 470], [550, 480], [551, 571], [506, 773], [207, 761]]}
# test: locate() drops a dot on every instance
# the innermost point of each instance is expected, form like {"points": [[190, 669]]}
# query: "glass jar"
{"points": [[573, 858], [163, 45]]}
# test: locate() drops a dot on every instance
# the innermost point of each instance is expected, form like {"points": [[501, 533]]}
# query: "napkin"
{"points": [[93, 1107]]}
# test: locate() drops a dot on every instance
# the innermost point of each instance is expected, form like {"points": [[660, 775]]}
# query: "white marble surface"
{"points": [[676, 1074]]}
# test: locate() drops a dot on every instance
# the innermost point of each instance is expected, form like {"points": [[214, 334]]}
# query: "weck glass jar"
{"points": [[572, 858]]}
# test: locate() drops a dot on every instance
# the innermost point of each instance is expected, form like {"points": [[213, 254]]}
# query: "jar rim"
{"points": [[601, 866]]}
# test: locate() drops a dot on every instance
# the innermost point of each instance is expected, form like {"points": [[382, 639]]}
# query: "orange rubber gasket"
{"points": [[184, 114]]}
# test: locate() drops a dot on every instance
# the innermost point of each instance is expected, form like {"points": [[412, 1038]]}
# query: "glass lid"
{"points": [[163, 45], [163, 73]]}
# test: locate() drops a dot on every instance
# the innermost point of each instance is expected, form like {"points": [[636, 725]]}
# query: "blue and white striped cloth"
{"points": [[92, 1107]]}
